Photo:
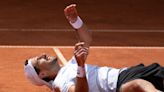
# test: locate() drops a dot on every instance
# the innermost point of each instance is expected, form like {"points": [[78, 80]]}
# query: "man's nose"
{"points": [[43, 56], [42, 74]]}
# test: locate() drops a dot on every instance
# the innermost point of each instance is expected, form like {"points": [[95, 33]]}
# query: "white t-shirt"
{"points": [[100, 79]]}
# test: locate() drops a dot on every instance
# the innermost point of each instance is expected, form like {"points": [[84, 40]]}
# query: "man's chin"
{"points": [[52, 77]]}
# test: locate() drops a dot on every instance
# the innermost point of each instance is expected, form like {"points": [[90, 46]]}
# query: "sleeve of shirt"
{"points": [[67, 85], [72, 60]]}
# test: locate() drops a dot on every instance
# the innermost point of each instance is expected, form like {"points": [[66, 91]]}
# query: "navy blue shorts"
{"points": [[153, 73]]}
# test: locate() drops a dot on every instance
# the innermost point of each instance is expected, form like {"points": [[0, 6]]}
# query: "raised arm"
{"points": [[84, 35], [81, 48], [81, 84]]}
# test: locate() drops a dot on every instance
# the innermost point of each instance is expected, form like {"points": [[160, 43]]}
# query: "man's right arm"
{"points": [[81, 84]]}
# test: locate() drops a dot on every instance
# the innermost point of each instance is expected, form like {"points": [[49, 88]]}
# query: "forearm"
{"points": [[84, 35], [81, 81], [81, 85]]}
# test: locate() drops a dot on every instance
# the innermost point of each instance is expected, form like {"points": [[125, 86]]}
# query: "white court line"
{"points": [[96, 47], [94, 30], [60, 56]]}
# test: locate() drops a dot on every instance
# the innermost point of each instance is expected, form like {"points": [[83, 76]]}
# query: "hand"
{"points": [[71, 13], [81, 53]]}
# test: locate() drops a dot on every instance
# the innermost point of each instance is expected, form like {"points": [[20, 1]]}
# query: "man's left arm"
{"points": [[81, 48], [83, 33]]}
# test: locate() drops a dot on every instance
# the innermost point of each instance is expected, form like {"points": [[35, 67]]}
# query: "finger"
{"points": [[81, 57], [73, 5], [80, 51], [81, 54], [73, 8], [79, 45], [70, 7], [86, 48], [84, 53], [82, 48]]}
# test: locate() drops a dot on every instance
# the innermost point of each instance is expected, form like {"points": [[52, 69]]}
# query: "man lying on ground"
{"points": [[76, 76]]}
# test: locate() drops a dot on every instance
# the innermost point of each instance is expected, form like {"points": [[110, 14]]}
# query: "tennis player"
{"points": [[76, 76]]}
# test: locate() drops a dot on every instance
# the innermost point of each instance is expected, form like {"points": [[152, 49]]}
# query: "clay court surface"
{"points": [[125, 33], [114, 49], [12, 60]]}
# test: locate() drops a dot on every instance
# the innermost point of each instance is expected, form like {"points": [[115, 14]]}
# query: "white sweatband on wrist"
{"points": [[80, 72], [77, 24]]}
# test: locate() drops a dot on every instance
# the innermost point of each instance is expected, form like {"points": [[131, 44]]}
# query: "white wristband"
{"points": [[77, 24], [80, 72]]}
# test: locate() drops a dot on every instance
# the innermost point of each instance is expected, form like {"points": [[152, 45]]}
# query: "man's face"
{"points": [[44, 66]]}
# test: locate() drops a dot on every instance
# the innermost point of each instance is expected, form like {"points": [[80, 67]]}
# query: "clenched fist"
{"points": [[71, 13], [81, 53]]}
